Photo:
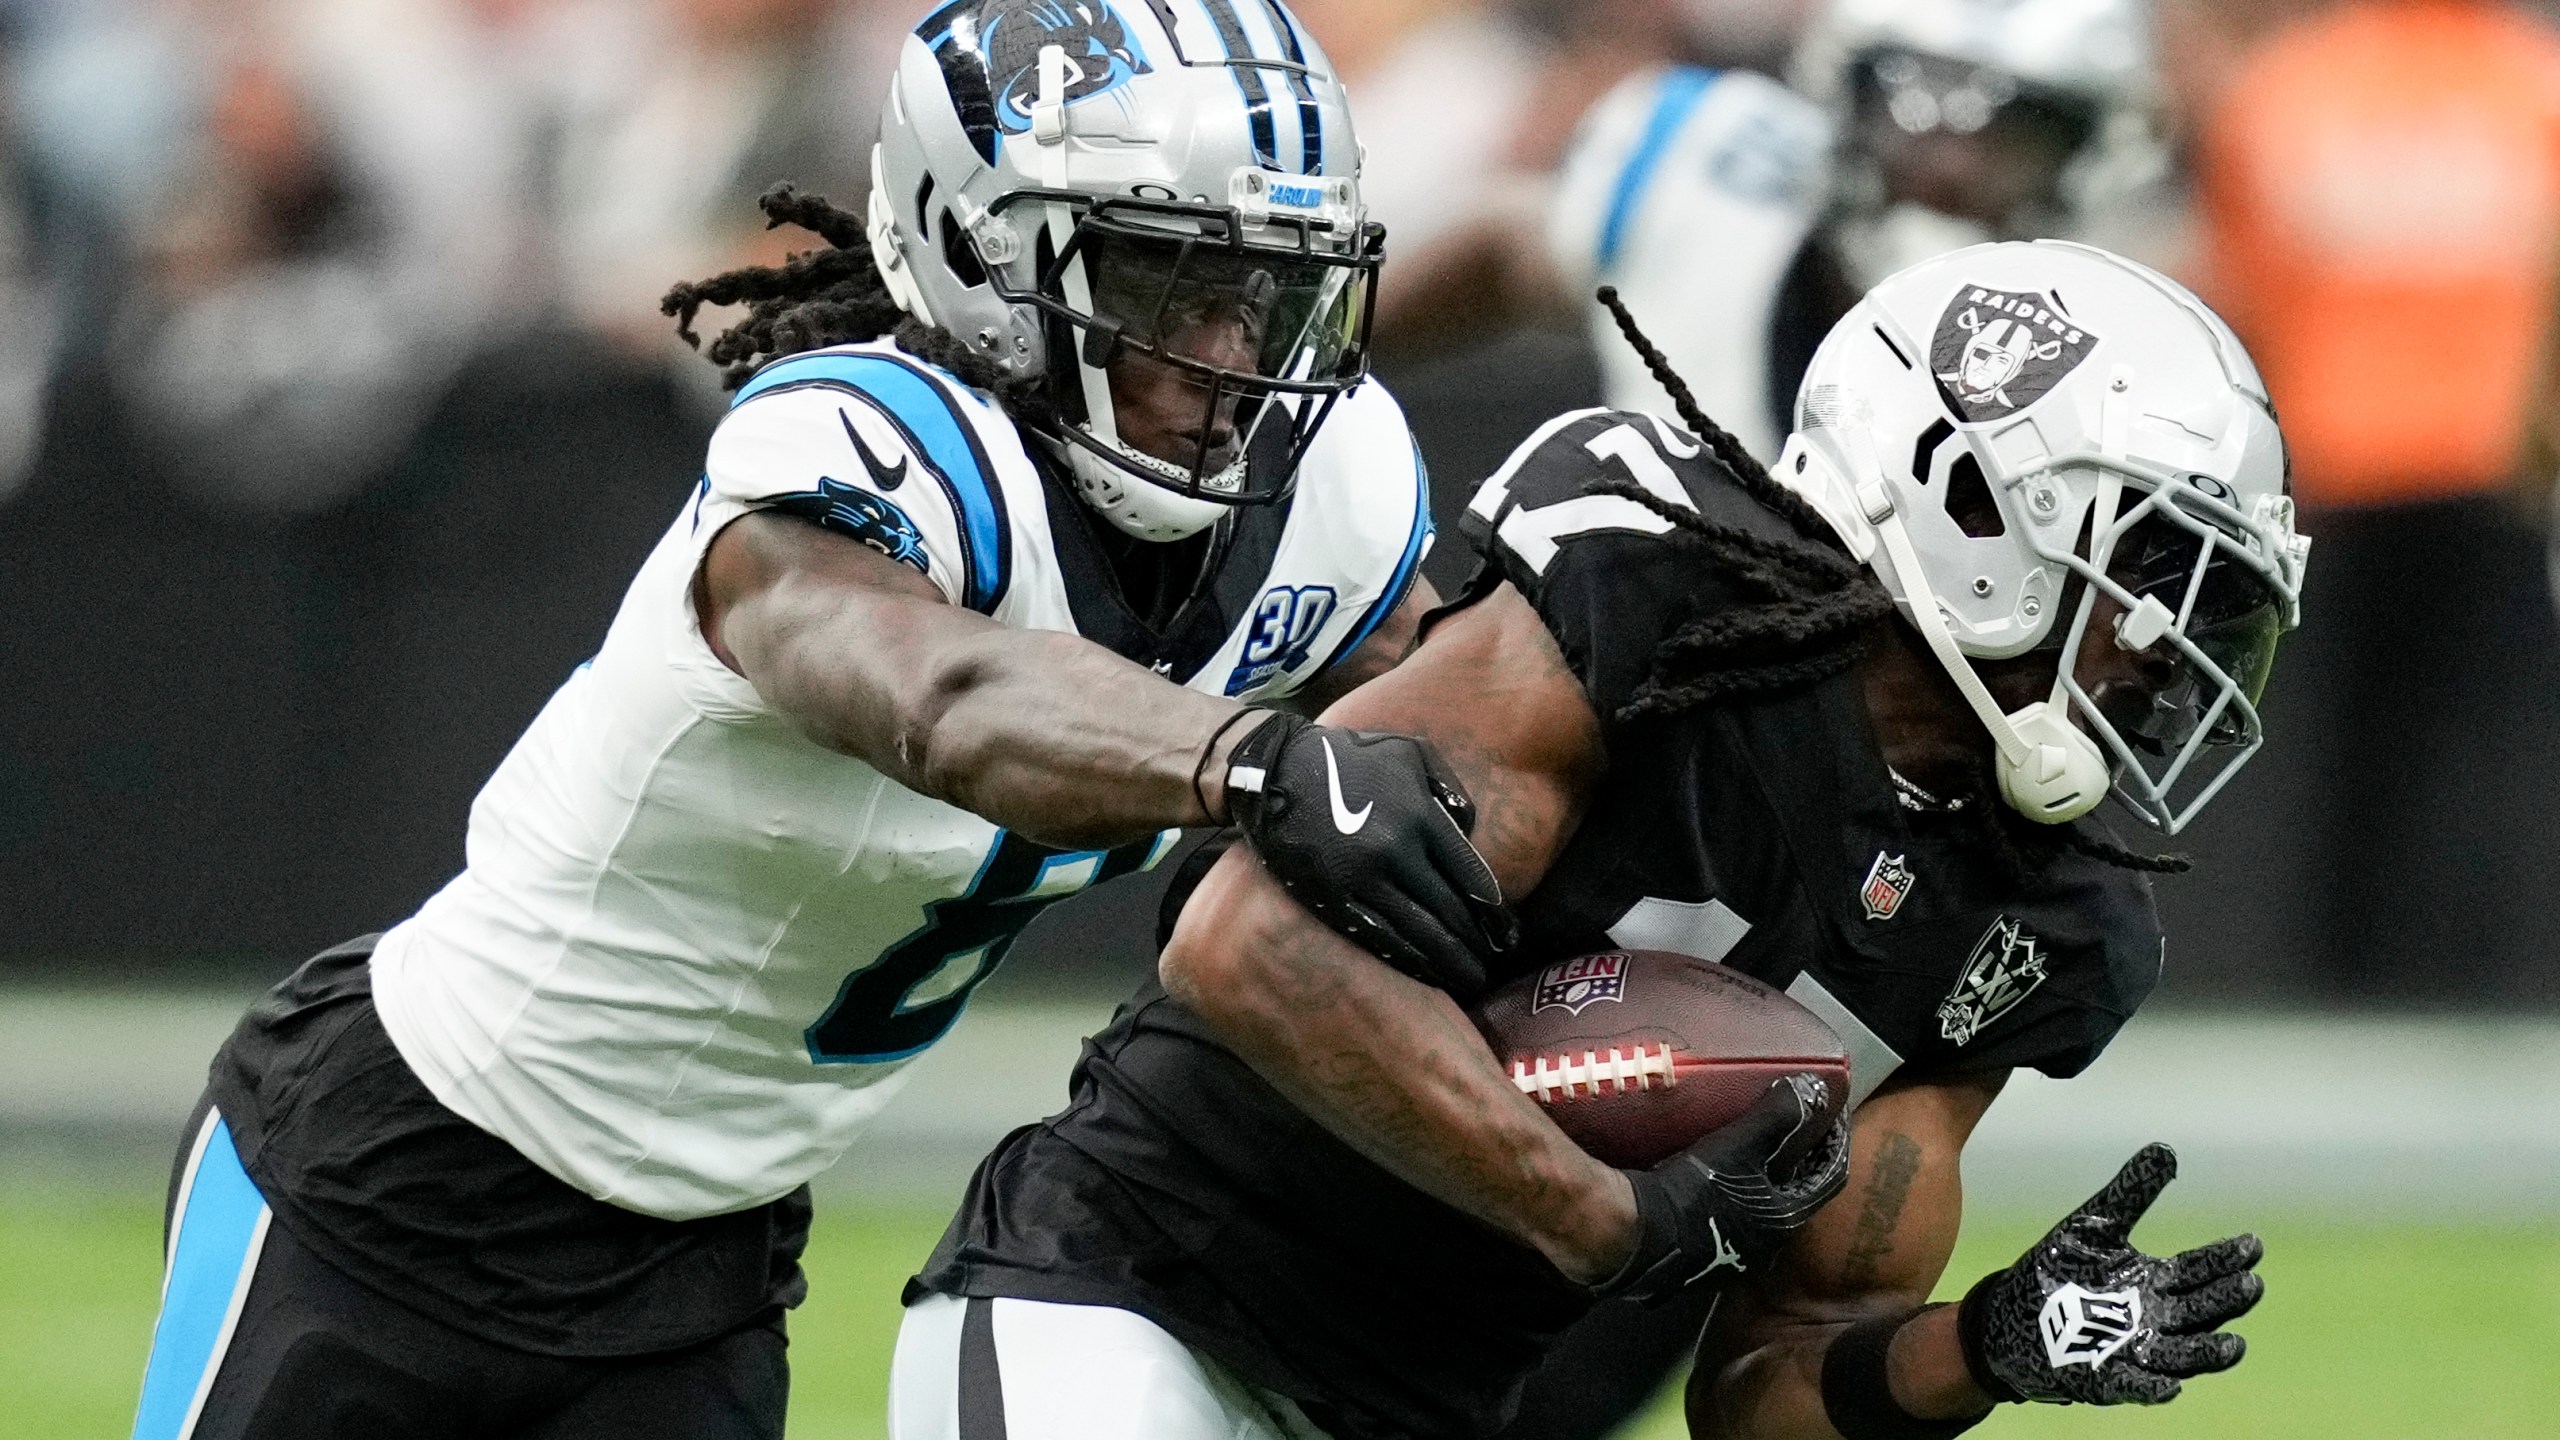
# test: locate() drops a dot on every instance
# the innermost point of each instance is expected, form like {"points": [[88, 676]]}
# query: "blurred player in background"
{"points": [[1740, 216], [1039, 483], [1838, 728]]}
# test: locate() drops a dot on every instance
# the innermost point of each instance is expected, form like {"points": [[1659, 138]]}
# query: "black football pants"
{"points": [[260, 1339]]}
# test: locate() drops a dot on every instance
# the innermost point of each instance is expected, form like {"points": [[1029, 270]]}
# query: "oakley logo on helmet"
{"points": [[1005, 38], [1997, 351]]}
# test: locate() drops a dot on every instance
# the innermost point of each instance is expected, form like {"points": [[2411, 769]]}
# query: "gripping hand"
{"points": [[1728, 1202], [1369, 833], [2086, 1318]]}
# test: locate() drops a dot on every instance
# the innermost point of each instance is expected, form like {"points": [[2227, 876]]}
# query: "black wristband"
{"points": [[1970, 1321], [1857, 1394], [1200, 767]]}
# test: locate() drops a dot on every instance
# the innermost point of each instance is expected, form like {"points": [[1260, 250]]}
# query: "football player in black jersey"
{"points": [[1837, 729]]}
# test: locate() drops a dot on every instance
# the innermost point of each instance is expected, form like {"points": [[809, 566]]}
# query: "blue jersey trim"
{"points": [[931, 423], [1681, 91], [214, 1245], [1407, 569]]}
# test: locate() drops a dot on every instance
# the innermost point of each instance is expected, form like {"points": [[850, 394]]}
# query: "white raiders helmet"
{"points": [[2007, 434], [1059, 182], [2068, 80]]}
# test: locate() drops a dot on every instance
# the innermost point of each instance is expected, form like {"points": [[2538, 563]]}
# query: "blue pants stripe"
{"points": [[214, 1242]]}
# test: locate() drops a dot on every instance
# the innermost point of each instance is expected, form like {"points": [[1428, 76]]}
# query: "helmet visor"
{"points": [[2179, 712], [1272, 316], [1219, 340], [2226, 613]]}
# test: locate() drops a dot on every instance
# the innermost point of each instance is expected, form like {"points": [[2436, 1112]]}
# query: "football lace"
{"points": [[1562, 1076]]}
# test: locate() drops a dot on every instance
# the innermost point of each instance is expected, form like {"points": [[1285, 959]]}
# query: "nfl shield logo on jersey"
{"points": [[2084, 1327], [1888, 880], [1576, 983], [2006, 966], [1998, 351]]}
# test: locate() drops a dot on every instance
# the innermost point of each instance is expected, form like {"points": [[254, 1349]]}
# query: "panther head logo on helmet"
{"points": [[1012, 33]]}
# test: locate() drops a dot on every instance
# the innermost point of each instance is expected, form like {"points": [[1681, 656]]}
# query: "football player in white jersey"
{"points": [[1914, 128], [1041, 485], [1741, 217]]}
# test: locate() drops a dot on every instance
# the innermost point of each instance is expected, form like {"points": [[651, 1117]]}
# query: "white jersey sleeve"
{"points": [[871, 446], [1692, 191]]}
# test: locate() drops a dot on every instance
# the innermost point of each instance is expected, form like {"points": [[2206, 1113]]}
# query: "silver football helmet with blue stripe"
{"points": [[1083, 189]]}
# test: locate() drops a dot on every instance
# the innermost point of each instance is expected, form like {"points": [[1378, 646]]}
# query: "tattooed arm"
{"points": [[1389, 1064], [1876, 1252]]}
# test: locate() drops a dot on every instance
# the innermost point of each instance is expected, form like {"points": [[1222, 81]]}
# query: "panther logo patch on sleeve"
{"points": [[857, 513], [1999, 351], [2006, 966]]}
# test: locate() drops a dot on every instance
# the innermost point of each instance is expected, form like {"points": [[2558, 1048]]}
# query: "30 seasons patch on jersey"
{"points": [[1587, 980], [2006, 966], [1997, 352]]}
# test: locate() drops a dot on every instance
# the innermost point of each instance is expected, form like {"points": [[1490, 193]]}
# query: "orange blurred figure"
{"points": [[2380, 192]]}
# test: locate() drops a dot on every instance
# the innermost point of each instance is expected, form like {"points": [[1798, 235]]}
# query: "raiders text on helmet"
{"points": [[1066, 184], [2011, 434]]}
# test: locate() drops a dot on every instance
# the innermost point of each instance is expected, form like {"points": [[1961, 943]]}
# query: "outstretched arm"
{"points": [[1040, 732], [1059, 739]]}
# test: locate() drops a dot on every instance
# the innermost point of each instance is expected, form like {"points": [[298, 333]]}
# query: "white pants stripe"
{"points": [[1067, 1372], [215, 1237]]}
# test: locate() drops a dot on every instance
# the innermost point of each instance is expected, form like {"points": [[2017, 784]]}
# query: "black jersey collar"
{"points": [[1242, 548]]}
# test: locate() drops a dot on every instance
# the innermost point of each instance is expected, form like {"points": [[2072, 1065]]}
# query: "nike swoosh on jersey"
{"points": [[887, 477], [1345, 819]]}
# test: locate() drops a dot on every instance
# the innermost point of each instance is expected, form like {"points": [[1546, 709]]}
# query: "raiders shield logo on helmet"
{"points": [[2006, 966], [1585, 981], [1999, 351]]}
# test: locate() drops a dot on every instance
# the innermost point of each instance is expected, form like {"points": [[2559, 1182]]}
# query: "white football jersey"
{"points": [[692, 949], [1692, 191]]}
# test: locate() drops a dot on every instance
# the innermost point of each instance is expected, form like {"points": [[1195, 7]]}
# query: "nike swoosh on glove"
{"points": [[1728, 1202], [2085, 1318], [1369, 833]]}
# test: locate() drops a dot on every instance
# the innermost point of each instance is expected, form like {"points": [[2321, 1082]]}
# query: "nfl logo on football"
{"points": [[1586, 981]]}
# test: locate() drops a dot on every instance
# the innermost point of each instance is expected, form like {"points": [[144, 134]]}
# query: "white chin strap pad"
{"points": [[2049, 770], [2061, 776]]}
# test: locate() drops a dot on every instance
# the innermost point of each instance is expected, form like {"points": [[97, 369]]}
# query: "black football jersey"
{"points": [[1764, 833]]}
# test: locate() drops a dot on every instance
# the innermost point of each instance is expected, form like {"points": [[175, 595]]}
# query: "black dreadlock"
{"points": [[1819, 607], [827, 297]]}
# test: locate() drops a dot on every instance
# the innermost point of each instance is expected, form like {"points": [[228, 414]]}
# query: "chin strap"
{"points": [[2049, 771]]}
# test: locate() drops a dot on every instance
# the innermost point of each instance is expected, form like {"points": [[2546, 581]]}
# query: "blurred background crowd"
{"points": [[336, 408]]}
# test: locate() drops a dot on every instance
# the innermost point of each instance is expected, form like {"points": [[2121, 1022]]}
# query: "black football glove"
{"points": [[1727, 1203], [1369, 833], [2085, 1318]]}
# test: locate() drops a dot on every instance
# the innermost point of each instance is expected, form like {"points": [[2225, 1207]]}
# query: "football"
{"points": [[1637, 1054]]}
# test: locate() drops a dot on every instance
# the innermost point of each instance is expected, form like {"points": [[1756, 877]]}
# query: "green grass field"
{"points": [[2369, 1330]]}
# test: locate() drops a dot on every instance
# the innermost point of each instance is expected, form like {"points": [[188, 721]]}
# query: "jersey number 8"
{"points": [[875, 1019]]}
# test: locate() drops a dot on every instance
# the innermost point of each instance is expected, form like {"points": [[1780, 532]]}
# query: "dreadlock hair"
{"points": [[818, 298], [1817, 608]]}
